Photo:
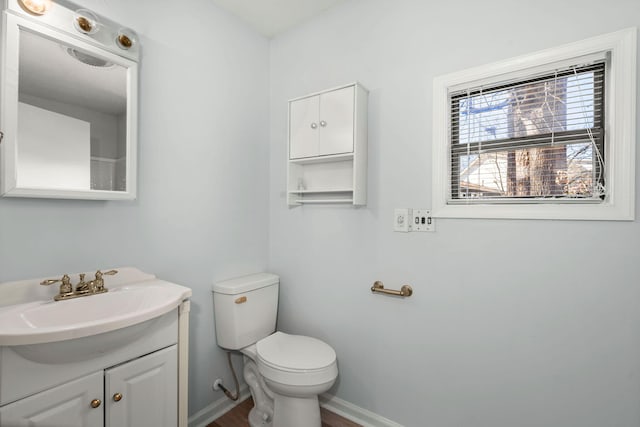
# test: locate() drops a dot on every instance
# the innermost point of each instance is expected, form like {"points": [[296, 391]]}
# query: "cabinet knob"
{"points": [[117, 397], [314, 125], [96, 403], [323, 123]]}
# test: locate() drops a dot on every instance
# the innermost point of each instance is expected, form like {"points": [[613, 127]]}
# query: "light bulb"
{"points": [[126, 38], [85, 21], [36, 7]]}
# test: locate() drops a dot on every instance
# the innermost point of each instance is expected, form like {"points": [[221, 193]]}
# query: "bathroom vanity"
{"points": [[112, 359]]}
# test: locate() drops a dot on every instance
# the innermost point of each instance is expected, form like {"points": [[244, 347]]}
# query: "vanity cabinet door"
{"points": [[144, 391], [75, 404]]}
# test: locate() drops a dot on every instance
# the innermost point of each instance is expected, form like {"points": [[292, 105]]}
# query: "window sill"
{"points": [[557, 211]]}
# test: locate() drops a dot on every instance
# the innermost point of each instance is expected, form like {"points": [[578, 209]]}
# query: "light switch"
{"points": [[421, 220]]}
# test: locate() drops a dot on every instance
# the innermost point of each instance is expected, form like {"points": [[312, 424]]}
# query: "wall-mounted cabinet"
{"points": [[327, 160]]}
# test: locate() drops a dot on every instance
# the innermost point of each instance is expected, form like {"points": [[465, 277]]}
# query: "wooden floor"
{"points": [[238, 417]]}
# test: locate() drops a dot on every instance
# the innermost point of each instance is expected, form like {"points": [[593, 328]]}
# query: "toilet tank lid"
{"points": [[243, 284]]}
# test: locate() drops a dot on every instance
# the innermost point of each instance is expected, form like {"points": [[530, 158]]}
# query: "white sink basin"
{"points": [[50, 321]]}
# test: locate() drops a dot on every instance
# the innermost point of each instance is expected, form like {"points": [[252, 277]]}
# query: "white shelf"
{"points": [[323, 201], [319, 190], [323, 159]]}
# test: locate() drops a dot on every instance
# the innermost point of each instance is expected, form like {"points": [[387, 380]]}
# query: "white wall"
{"points": [[50, 142], [108, 141], [105, 135], [512, 323], [203, 173]]}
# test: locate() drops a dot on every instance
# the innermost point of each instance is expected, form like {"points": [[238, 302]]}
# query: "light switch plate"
{"points": [[402, 220], [421, 220]]}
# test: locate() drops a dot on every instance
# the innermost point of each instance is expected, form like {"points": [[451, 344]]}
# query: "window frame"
{"points": [[619, 124]]}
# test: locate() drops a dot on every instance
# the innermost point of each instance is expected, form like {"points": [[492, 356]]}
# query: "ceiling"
{"points": [[271, 17]]}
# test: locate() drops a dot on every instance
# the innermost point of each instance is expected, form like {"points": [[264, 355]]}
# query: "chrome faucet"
{"points": [[95, 286]]}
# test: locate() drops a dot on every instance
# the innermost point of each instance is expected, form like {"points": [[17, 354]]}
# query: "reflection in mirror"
{"points": [[72, 118]]}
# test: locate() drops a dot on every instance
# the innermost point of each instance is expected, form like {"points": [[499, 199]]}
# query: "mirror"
{"points": [[72, 116], [72, 131]]}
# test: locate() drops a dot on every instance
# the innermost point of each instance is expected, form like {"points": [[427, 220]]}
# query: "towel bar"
{"points": [[405, 290]]}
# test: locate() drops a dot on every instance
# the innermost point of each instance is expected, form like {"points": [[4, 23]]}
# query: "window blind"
{"points": [[537, 139]]}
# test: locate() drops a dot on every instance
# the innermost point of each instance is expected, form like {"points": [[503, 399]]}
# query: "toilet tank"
{"points": [[245, 309]]}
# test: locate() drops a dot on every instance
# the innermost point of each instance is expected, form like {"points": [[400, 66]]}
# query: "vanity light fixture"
{"points": [[88, 59], [85, 21], [36, 7], [126, 38]]}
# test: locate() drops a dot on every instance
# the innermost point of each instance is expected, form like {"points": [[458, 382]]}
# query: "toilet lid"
{"points": [[295, 352]]}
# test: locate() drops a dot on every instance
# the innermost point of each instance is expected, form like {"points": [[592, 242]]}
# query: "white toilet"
{"points": [[285, 373]]}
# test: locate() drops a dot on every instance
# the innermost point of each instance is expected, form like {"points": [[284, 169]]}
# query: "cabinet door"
{"points": [[336, 121], [143, 392], [68, 405], [303, 127]]}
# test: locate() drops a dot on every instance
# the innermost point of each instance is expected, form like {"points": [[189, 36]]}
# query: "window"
{"points": [[539, 138], [548, 135]]}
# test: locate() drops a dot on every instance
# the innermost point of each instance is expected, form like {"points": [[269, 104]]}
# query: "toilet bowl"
{"points": [[295, 369], [285, 373]]}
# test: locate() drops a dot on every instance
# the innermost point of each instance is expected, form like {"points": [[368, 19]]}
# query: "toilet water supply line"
{"points": [[227, 392]]}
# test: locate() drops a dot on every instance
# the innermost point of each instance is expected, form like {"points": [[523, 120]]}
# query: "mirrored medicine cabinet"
{"points": [[68, 104]]}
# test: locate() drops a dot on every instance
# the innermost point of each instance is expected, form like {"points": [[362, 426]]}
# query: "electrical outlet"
{"points": [[421, 220], [402, 220]]}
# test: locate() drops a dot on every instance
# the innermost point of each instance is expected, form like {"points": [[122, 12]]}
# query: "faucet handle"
{"points": [[48, 282], [99, 273], [99, 281], [65, 286]]}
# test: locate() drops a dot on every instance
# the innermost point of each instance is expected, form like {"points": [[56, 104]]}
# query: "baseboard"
{"points": [[217, 409], [334, 404], [355, 413]]}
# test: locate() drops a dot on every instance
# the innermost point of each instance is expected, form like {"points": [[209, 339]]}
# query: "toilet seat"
{"points": [[296, 360]]}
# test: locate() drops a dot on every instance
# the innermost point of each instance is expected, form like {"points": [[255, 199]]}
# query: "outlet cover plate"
{"points": [[402, 220]]}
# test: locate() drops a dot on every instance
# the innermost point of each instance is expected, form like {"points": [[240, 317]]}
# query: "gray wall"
{"points": [[513, 323], [203, 173]]}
